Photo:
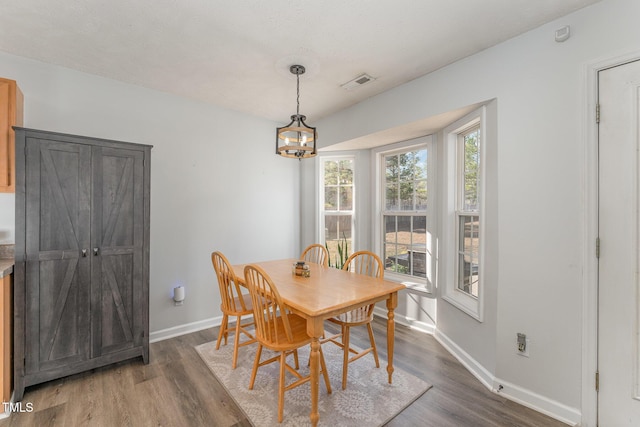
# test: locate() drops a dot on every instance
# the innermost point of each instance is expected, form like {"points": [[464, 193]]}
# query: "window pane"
{"points": [[468, 259], [344, 226], [346, 198], [391, 168], [330, 172], [339, 237], [331, 198], [405, 181], [421, 165], [346, 172], [330, 227], [390, 229], [421, 195], [391, 196], [406, 196], [471, 169]]}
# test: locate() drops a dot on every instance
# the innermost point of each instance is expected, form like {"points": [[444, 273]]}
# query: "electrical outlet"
{"points": [[522, 343]]}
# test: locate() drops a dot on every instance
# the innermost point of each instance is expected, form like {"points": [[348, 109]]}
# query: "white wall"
{"points": [[537, 189], [215, 182]]}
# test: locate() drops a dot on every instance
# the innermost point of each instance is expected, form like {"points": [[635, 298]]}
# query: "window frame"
{"points": [[414, 283], [453, 212], [322, 238]]}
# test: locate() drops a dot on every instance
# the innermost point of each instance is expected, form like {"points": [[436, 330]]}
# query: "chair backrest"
{"points": [[269, 312], [364, 262], [316, 253], [230, 292]]}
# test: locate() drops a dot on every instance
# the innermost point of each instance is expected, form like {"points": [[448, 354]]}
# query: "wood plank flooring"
{"points": [[177, 389]]}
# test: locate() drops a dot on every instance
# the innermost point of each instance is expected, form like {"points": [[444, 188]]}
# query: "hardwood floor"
{"points": [[177, 389]]}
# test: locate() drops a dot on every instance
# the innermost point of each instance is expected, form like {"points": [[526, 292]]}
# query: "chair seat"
{"points": [[280, 342], [236, 303], [355, 317]]}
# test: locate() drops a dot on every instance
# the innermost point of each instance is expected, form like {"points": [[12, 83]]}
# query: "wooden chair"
{"points": [[361, 262], [278, 330], [316, 253], [234, 303]]}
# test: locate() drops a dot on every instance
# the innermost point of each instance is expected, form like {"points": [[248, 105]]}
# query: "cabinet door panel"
{"points": [[57, 230], [117, 272]]}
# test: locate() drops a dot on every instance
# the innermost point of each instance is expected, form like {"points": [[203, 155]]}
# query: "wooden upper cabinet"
{"points": [[11, 114]]}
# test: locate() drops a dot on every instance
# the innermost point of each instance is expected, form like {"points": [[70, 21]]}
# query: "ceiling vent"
{"points": [[361, 80]]}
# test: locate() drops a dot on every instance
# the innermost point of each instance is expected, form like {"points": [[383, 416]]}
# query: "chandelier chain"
{"points": [[298, 94]]}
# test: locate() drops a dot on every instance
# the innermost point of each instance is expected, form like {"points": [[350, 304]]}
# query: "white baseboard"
{"points": [[535, 401], [478, 371], [406, 321], [176, 331]]}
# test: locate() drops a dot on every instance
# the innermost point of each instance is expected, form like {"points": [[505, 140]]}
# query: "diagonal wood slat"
{"points": [[115, 210], [59, 199], [117, 298], [56, 317]]}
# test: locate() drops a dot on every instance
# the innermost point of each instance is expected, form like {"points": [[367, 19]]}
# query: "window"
{"points": [[467, 212], [337, 214], [404, 239], [464, 221], [404, 215]]}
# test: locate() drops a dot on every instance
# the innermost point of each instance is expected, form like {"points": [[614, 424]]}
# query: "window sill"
{"points": [[413, 284], [465, 303]]}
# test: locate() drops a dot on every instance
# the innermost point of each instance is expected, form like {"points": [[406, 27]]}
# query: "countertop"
{"points": [[6, 259], [6, 267]]}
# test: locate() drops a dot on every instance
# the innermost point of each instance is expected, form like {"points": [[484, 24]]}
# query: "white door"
{"points": [[619, 220]]}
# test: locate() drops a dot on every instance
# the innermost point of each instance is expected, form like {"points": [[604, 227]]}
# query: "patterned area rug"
{"points": [[368, 400]]}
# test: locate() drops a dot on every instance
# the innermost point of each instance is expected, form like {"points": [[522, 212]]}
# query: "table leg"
{"points": [[314, 330], [392, 303]]}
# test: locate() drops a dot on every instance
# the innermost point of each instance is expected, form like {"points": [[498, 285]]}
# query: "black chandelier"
{"points": [[296, 140]]}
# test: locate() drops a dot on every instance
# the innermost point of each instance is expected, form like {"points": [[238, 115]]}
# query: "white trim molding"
{"points": [[528, 398], [589, 134], [470, 305], [175, 331]]}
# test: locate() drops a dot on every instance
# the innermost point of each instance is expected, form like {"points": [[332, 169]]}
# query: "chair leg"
{"points": [[256, 362], [373, 344], [345, 363], [295, 358], [325, 374], [223, 331], [236, 341], [283, 361]]}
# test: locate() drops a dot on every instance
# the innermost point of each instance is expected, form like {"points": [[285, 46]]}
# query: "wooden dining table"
{"points": [[328, 292]]}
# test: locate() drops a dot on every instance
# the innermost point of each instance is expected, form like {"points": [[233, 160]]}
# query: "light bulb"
{"points": [[286, 141], [304, 140]]}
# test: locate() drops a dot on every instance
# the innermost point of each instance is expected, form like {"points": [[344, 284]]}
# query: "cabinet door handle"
{"points": [[84, 253], [95, 251]]}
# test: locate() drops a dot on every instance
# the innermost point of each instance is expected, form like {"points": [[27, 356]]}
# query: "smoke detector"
{"points": [[361, 80]]}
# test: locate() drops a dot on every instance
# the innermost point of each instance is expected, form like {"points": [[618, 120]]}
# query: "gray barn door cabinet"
{"points": [[81, 255]]}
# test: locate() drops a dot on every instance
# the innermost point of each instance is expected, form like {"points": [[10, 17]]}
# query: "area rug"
{"points": [[368, 400]]}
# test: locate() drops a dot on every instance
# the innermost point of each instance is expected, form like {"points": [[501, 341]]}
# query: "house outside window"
{"points": [[338, 206]]}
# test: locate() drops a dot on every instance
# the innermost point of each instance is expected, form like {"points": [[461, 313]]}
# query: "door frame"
{"points": [[589, 134]]}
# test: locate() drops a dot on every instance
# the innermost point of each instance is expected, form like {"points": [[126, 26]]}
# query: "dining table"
{"points": [[325, 293]]}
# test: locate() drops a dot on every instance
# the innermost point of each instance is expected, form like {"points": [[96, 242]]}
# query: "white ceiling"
{"points": [[237, 53]]}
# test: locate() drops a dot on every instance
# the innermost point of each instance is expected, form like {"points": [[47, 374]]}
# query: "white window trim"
{"points": [[320, 197], [472, 306], [412, 283]]}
